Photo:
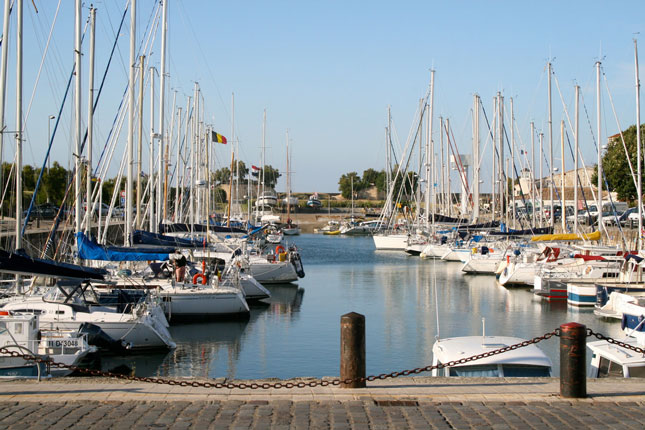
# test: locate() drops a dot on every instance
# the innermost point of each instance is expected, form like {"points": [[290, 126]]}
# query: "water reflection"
{"points": [[406, 301]]}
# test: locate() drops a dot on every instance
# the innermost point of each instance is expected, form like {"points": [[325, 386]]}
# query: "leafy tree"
{"points": [[374, 177], [222, 176], [55, 183], [271, 176], [349, 181], [615, 164]]}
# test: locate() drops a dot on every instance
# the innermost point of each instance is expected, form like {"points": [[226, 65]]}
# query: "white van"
{"points": [[620, 207]]}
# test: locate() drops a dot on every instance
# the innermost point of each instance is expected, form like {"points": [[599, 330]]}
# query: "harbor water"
{"points": [[407, 303]]}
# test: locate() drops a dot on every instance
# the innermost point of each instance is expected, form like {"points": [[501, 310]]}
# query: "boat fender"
{"points": [[4, 313], [623, 322], [474, 250], [279, 249], [198, 276], [297, 264]]}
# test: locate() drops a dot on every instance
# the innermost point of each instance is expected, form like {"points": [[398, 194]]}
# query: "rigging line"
{"points": [[42, 62], [622, 136], [51, 140], [123, 97]]}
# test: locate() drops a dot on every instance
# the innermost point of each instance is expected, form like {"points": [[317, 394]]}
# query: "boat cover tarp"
{"points": [[480, 226], [18, 262], [444, 219], [199, 228], [525, 232], [88, 249], [567, 236], [148, 238]]}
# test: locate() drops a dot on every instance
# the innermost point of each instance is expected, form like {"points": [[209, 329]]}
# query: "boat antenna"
{"points": [[483, 330]]}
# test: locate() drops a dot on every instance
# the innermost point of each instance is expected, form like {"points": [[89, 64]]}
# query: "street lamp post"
{"points": [[49, 138]]}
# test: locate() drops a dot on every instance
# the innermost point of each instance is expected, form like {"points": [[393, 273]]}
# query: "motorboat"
{"points": [[610, 359], [67, 306], [268, 198], [20, 334], [314, 202], [529, 361]]}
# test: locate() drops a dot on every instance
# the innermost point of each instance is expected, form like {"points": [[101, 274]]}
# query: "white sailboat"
{"points": [[289, 228]]}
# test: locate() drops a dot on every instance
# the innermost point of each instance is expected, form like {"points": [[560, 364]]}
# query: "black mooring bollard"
{"points": [[573, 360], [352, 349]]}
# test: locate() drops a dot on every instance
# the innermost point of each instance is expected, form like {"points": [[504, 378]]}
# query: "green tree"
{"points": [[374, 177], [222, 176], [55, 183], [271, 176], [349, 181], [616, 167]]}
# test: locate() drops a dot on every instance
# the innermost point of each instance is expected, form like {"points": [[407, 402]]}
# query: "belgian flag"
{"points": [[218, 138]]}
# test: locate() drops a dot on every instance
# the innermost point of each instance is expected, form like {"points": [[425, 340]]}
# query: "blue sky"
{"points": [[327, 71]]}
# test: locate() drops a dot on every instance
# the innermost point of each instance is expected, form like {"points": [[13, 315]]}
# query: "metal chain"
{"points": [[277, 385], [601, 336]]}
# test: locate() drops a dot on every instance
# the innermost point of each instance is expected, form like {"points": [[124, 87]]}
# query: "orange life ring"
{"points": [[279, 249], [199, 275]]}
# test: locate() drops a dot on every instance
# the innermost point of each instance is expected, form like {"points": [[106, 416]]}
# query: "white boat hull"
{"points": [[394, 242]]}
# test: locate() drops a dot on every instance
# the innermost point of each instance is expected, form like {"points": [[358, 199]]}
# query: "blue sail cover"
{"points": [[148, 238], [88, 249]]}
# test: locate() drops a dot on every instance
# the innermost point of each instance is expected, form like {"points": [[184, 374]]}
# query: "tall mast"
{"points": [[139, 217], [512, 164], [599, 146], [19, 123], [501, 177], [151, 161], [288, 182], [552, 222], [495, 154], [178, 168], [77, 111], [264, 136], [130, 149], [233, 149], [3, 73], [575, 161], [448, 184], [443, 168], [388, 149], [475, 158], [167, 155], [533, 188], [563, 200], [162, 126], [90, 122], [638, 147], [429, 151], [422, 109], [541, 143]]}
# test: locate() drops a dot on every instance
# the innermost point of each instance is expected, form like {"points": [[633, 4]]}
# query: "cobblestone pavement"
{"points": [[356, 414], [404, 403]]}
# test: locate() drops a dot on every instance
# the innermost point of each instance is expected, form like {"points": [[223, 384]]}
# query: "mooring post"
{"points": [[573, 360], [352, 349]]}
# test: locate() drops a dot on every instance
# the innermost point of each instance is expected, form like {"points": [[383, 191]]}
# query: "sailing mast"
{"points": [[77, 114], [130, 149], [90, 124], [288, 184], [575, 161], [139, 217], [475, 158], [151, 175], [563, 200], [428, 163], [600, 224], [3, 75], [638, 148], [552, 222], [162, 128], [19, 128]]}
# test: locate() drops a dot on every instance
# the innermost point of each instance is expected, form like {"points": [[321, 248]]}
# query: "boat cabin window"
{"points": [[490, 370], [17, 328], [504, 370], [29, 311], [608, 368], [518, 370], [636, 371]]}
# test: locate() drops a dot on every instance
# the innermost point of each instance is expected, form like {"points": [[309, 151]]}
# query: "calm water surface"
{"points": [[298, 333]]}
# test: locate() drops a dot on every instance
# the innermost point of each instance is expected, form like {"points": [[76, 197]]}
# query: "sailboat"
{"points": [[289, 229]]}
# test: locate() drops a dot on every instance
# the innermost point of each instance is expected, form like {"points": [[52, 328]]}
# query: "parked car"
{"points": [[632, 218], [609, 218], [44, 211]]}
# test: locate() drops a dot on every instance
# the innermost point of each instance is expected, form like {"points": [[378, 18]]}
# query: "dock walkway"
{"points": [[419, 402]]}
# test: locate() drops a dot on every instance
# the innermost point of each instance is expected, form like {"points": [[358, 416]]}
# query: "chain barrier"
{"points": [[315, 383], [601, 336]]}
